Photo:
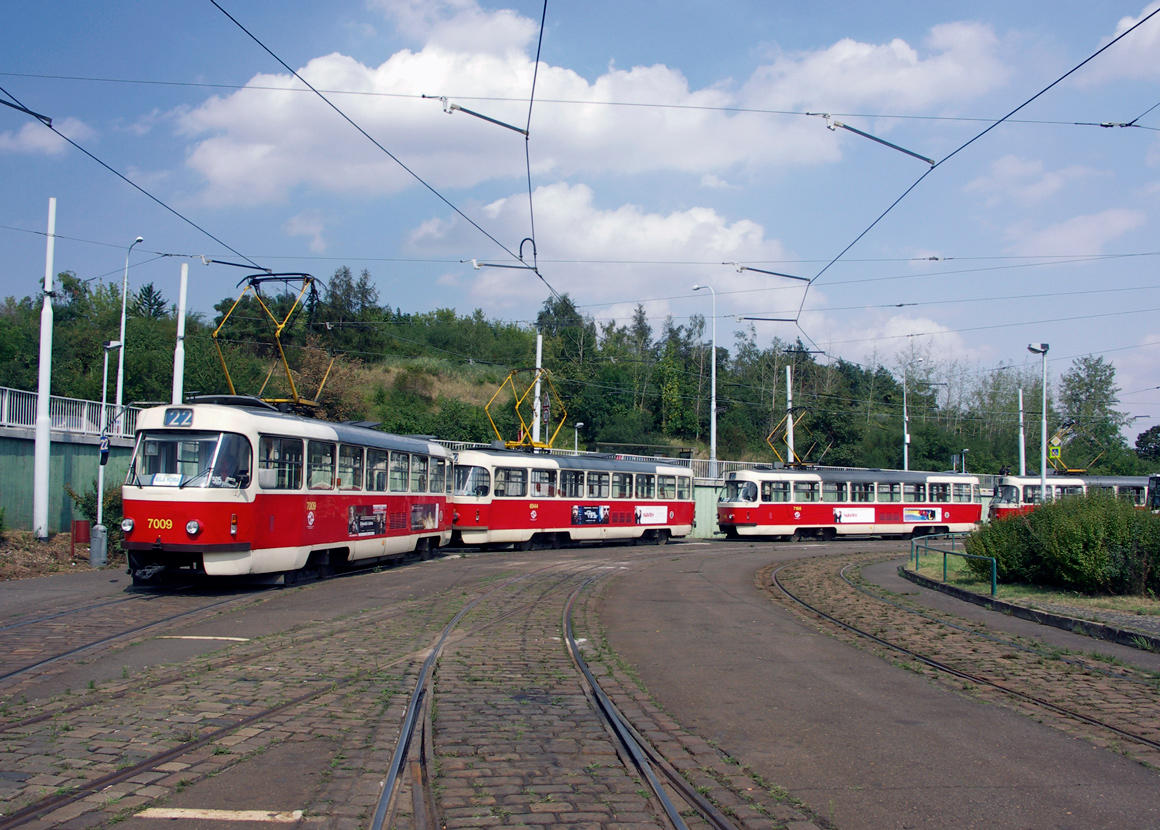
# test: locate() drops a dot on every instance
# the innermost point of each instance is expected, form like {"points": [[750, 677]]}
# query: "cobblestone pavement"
{"points": [[1116, 694], [517, 739]]}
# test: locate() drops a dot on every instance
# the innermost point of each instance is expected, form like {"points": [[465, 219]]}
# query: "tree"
{"points": [[1148, 444], [149, 303], [1088, 395]]}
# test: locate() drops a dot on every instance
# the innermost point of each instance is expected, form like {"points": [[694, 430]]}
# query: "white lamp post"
{"points": [[906, 416], [576, 436], [121, 352], [965, 451], [1041, 349], [713, 394], [99, 544]]}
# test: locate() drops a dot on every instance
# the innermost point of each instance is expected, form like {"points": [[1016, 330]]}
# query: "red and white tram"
{"points": [[826, 503], [229, 486], [1019, 494], [531, 500]]}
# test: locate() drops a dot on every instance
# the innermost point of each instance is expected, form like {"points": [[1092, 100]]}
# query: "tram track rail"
{"points": [[960, 665]]}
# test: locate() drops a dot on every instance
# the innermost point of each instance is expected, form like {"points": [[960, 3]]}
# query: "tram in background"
{"points": [[504, 497], [1019, 494], [827, 502], [230, 486]]}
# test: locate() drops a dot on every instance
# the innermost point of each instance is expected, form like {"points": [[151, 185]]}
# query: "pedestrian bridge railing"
{"points": [[71, 415]]}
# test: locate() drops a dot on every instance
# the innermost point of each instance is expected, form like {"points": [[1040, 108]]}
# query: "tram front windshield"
{"points": [[1007, 494], [739, 491], [472, 481], [190, 459]]}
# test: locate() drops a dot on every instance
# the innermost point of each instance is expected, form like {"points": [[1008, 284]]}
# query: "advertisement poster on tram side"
{"points": [[424, 516], [367, 520], [920, 514], [653, 514], [853, 515], [590, 514]]}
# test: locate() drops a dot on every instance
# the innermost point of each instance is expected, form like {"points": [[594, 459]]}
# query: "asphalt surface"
{"points": [[862, 742]]}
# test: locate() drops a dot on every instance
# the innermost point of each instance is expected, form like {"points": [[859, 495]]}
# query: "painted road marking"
{"points": [[223, 815], [192, 637]]}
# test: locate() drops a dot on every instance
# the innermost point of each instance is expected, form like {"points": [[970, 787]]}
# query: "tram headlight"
{"points": [[193, 527], [126, 525]]}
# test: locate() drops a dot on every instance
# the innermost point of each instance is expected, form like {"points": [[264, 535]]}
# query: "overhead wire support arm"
{"points": [[740, 268], [450, 108], [44, 119], [834, 124]]}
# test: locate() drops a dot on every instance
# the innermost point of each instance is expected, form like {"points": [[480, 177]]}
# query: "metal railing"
{"points": [[79, 417], [922, 544]]}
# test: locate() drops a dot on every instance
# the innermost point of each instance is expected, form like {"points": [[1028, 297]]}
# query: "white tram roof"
{"points": [[609, 463], [224, 418], [1063, 479], [857, 476]]}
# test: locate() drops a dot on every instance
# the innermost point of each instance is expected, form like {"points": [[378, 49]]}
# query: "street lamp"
{"points": [[1041, 349], [905, 416], [576, 436], [121, 353], [713, 395], [965, 451], [99, 544]]}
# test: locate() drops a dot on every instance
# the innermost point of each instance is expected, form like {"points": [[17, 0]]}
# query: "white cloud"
{"points": [[1024, 181], [1078, 236], [34, 137], [623, 253], [258, 145], [311, 225], [1132, 57]]}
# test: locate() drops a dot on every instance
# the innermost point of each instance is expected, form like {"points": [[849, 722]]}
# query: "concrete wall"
{"points": [[73, 462], [705, 498]]}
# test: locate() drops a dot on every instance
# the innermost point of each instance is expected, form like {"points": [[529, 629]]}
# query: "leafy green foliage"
{"points": [[1090, 544], [112, 511]]}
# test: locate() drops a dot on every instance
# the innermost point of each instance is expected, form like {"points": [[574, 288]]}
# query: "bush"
{"points": [[1090, 544], [112, 512]]}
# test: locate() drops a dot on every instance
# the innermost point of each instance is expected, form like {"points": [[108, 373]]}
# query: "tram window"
{"points": [[667, 487], [622, 485], [320, 465], [419, 473], [833, 491], [1030, 493], [1070, 490], [350, 467], [438, 475], [543, 483], [805, 491], [1107, 490], [572, 483], [646, 487], [861, 491], [472, 481], [940, 493], [1007, 494], [510, 482], [279, 463], [914, 492], [739, 491], [1135, 495], [598, 485], [684, 488], [775, 491], [889, 491], [400, 469], [377, 463]]}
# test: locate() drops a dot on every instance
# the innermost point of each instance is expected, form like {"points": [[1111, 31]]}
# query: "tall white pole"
{"points": [[1022, 439], [179, 349], [713, 394], [1043, 434], [101, 467], [121, 353], [905, 427], [42, 449], [791, 454], [539, 366]]}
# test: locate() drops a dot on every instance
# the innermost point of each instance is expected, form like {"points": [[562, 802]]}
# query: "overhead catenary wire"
{"points": [[374, 141]]}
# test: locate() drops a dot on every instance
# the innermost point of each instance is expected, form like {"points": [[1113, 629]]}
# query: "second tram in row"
{"points": [[1019, 494]]}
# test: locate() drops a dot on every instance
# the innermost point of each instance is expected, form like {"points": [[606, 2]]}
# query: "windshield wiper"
{"points": [[195, 478]]}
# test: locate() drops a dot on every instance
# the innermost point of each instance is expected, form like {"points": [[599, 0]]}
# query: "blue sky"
{"points": [[666, 139]]}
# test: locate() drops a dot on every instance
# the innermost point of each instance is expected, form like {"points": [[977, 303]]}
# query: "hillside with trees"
{"points": [[631, 385]]}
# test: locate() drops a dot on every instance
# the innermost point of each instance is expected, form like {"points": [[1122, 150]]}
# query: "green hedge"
{"points": [[1090, 544]]}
